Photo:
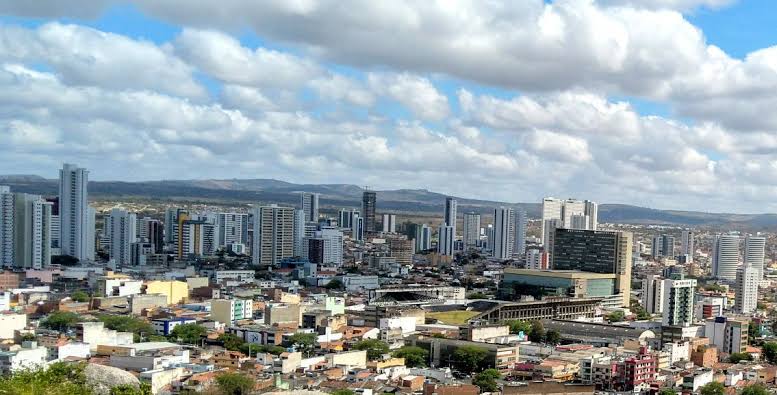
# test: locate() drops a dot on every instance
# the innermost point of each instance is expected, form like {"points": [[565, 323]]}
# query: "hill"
{"points": [[262, 191]]}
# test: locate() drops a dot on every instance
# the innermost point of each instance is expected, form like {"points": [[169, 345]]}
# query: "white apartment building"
{"points": [[121, 230], [76, 220], [748, 278]]}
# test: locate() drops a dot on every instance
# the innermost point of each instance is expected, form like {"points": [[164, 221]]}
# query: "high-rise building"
{"points": [[6, 226], [171, 224], [572, 214], [687, 247], [369, 202], [471, 229], [570, 209], [151, 231], [755, 247], [748, 278], [520, 232], [549, 227], [678, 302], [232, 228], [596, 252], [325, 246], [504, 233], [345, 218], [389, 223], [357, 227], [121, 230], [196, 236], [74, 213], [299, 233], [580, 221], [592, 212], [653, 294], [273, 235], [309, 205], [552, 208], [663, 246], [423, 237], [725, 257], [449, 218], [445, 239], [55, 223], [25, 230]]}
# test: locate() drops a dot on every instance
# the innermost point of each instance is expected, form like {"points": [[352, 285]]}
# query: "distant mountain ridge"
{"points": [[346, 195]]}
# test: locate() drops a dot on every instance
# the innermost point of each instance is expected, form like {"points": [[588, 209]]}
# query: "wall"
{"points": [[9, 323], [176, 291], [352, 359]]}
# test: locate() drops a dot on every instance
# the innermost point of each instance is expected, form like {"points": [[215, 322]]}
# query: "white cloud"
{"points": [[223, 57], [416, 93], [85, 56]]}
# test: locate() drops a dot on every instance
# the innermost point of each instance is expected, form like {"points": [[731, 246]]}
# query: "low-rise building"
{"points": [[164, 326], [441, 351], [230, 310], [95, 334], [27, 356], [175, 291]]}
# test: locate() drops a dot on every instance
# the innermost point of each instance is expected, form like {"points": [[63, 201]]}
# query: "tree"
{"points": [[303, 342], [231, 341], [252, 349], [470, 358], [477, 295], [770, 352], [58, 379], [374, 347], [28, 337], [61, 320], [740, 356], [755, 389], [616, 316], [486, 380], [124, 323], [234, 384], [667, 391], [714, 288], [552, 337], [334, 283], [537, 333], [713, 388], [414, 356], [79, 296], [126, 389], [517, 326], [188, 333]]}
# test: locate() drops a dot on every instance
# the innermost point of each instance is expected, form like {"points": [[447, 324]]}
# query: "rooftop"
{"points": [[571, 274]]}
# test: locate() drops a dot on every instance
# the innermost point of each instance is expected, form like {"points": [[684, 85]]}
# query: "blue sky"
{"points": [[621, 101]]}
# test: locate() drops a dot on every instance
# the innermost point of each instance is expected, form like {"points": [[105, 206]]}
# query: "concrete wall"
{"points": [[9, 323]]}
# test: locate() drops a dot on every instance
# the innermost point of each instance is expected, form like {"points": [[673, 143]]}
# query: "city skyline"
{"points": [[505, 127]]}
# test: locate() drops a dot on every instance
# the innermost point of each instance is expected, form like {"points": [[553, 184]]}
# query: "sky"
{"points": [[658, 103]]}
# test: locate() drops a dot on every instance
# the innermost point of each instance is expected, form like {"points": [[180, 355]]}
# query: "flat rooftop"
{"points": [[571, 274]]}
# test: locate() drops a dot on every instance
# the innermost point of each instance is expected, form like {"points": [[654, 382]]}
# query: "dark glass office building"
{"points": [[368, 211], [594, 251]]}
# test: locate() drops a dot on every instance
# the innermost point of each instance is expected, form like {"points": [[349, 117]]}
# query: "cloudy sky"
{"points": [[660, 103]]}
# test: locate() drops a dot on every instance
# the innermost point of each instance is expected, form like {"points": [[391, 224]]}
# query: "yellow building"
{"points": [[176, 291]]}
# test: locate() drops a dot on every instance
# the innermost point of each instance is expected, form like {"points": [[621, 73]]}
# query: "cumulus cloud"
{"points": [[416, 93], [85, 56], [111, 102]]}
